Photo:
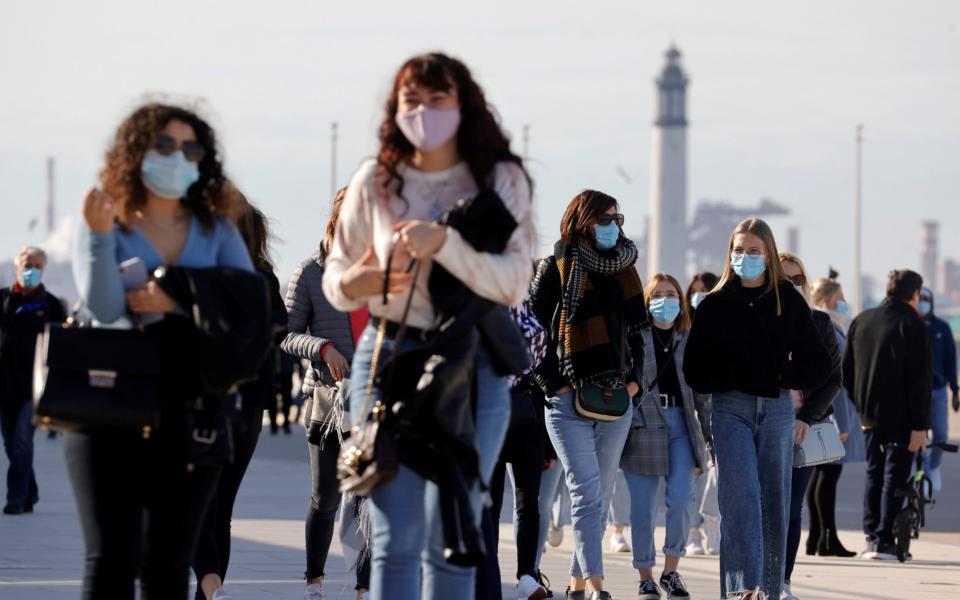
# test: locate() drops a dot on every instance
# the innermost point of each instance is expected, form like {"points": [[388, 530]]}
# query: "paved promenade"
{"points": [[41, 554]]}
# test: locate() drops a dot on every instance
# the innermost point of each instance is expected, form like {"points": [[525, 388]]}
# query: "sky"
{"points": [[776, 93]]}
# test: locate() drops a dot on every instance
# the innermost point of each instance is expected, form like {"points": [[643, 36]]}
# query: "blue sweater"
{"points": [[944, 353], [97, 258]]}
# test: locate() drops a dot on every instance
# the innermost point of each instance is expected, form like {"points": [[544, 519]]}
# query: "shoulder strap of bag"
{"points": [[666, 365]]}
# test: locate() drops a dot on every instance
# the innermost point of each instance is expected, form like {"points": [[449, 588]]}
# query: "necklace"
{"points": [[665, 344], [437, 194], [175, 223]]}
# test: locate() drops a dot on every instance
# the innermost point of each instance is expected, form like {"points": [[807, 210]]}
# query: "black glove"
{"points": [[955, 401]]}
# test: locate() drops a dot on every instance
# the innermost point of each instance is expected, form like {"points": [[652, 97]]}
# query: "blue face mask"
{"points": [[664, 310], [696, 298], [747, 267], [607, 235], [168, 176], [842, 308], [924, 308], [30, 277]]}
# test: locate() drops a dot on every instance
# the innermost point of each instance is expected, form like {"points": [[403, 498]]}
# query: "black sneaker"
{"points": [[602, 595], [571, 595], [649, 590], [542, 580], [675, 586], [885, 551]]}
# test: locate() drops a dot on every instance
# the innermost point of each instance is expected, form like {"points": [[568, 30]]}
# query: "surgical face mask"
{"points": [[168, 176], [607, 235], [428, 128], [30, 277], [696, 298], [746, 266], [664, 310], [924, 308], [842, 308]]}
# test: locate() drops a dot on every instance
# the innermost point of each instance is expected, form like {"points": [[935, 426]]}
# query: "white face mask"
{"points": [[428, 128], [168, 176]]}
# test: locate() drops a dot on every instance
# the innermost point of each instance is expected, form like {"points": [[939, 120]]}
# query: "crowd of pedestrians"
{"points": [[444, 363]]}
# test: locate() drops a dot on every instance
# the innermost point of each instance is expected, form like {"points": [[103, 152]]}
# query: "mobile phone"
{"points": [[133, 274]]}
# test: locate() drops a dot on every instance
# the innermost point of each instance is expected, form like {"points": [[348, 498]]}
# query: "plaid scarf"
{"points": [[587, 352]]}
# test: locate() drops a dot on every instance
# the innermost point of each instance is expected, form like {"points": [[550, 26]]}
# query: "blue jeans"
{"points": [[643, 497], [549, 486], [17, 430], [620, 502], [753, 438], [800, 479], [590, 454], [939, 418], [407, 528]]}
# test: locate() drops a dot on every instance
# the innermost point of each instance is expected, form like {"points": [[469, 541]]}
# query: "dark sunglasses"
{"points": [[605, 219], [166, 145], [798, 280]]}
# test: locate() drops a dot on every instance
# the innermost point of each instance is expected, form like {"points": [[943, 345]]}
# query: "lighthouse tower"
{"points": [[667, 237]]}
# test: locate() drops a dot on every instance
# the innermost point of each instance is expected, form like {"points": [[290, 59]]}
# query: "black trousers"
{"points": [[800, 478], [822, 500], [888, 469], [213, 546], [140, 511], [324, 501]]}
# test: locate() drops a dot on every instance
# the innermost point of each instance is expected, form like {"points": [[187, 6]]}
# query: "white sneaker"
{"points": [[221, 595], [694, 542], [711, 534], [554, 534], [618, 542], [935, 481], [366, 596], [314, 592], [529, 589], [787, 593]]}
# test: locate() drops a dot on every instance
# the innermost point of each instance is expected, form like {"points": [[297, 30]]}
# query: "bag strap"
{"points": [[656, 380]]}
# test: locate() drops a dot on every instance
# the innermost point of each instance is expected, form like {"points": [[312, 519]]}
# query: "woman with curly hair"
{"points": [[162, 193], [439, 143]]}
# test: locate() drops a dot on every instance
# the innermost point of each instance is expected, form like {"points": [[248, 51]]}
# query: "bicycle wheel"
{"points": [[903, 527]]}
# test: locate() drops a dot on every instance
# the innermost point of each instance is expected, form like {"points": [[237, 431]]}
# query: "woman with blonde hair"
{"points": [[665, 442], [753, 340]]}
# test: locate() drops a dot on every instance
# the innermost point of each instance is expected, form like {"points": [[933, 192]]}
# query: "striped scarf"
{"points": [[586, 350]]}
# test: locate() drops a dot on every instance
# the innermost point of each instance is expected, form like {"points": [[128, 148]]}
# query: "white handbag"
{"points": [[822, 445]]}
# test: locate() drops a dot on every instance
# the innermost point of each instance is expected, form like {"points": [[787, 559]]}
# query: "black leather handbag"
{"points": [[91, 377]]}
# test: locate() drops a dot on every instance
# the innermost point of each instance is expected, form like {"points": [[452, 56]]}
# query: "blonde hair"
{"points": [[773, 270], [791, 257], [823, 290], [682, 323]]}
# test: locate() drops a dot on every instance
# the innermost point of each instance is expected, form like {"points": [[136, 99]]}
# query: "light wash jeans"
{"points": [[551, 492], [643, 497], [590, 454], [620, 502], [407, 527], [939, 420], [753, 438]]}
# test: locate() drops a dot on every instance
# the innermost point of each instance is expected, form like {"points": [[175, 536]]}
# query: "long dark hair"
{"points": [[709, 281], [480, 140], [120, 176], [332, 221], [254, 228], [582, 210]]}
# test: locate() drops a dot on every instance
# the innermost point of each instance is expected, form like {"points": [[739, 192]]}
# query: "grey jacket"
{"points": [[646, 451], [312, 323]]}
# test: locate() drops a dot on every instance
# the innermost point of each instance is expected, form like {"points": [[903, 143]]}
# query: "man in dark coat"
{"points": [[886, 371], [25, 309]]}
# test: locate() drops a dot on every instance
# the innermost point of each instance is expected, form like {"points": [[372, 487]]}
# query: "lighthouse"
{"points": [[667, 234]]}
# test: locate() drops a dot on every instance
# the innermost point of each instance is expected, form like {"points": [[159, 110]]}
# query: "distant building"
{"points": [[714, 221], [931, 254], [949, 283]]}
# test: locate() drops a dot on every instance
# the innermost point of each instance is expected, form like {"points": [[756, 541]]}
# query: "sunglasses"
{"points": [[605, 219], [798, 280], [166, 145]]}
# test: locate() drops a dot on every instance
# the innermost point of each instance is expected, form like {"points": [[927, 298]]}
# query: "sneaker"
{"points": [[675, 586], [885, 552], [314, 592], [695, 542], [870, 552], [221, 595], [554, 534], [529, 588], [618, 542], [711, 534], [571, 595], [935, 481], [601, 596], [787, 593], [545, 582], [365, 596], [15, 509], [649, 590], [755, 594]]}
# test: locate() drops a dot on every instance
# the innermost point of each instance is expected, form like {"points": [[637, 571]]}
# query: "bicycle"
{"points": [[918, 495]]}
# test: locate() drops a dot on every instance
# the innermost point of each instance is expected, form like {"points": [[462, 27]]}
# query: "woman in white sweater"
{"points": [[439, 143]]}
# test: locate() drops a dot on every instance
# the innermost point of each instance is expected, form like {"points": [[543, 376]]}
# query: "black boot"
{"points": [[813, 542], [830, 546]]}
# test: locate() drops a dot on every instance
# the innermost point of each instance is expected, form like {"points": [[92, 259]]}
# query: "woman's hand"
{"points": [[150, 299], [338, 365], [549, 464], [797, 397], [844, 437], [800, 431], [365, 278], [99, 211], [422, 239], [697, 472], [633, 389]]}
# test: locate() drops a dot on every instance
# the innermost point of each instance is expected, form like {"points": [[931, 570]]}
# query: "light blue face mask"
{"points": [[696, 298], [747, 267], [664, 310], [30, 277], [924, 308], [607, 235], [168, 176], [842, 307]]}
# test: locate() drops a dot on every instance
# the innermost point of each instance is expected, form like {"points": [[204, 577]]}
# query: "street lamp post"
{"points": [[857, 225]]}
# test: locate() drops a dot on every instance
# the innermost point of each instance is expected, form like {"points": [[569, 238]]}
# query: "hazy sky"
{"points": [[775, 96]]}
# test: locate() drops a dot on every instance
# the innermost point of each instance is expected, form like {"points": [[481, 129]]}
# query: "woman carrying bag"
{"points": [[666, 441], [589, 297], [752, 341]]}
